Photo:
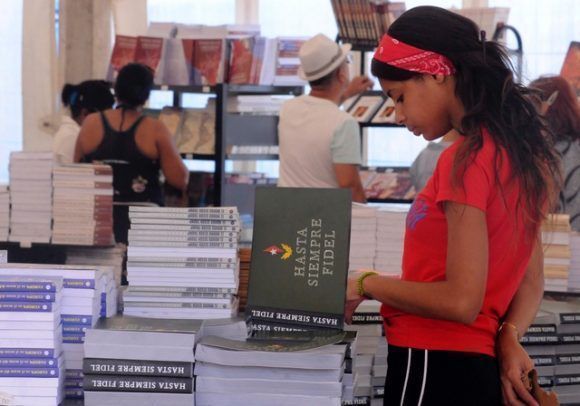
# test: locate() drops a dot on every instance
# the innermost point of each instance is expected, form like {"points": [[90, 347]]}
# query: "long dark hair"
{"points": [[491, 99], [563, 115]]}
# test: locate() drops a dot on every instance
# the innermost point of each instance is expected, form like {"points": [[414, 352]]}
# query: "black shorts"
{"points": [[424, 377]]}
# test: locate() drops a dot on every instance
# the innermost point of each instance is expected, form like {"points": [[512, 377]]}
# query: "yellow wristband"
{"points": [[513, 326], [359, 282]]}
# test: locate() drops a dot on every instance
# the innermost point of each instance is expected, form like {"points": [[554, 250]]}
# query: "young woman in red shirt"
{"points": [[472, 276]]}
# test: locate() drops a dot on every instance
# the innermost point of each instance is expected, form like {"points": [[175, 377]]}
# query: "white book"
{"points": [[249, 386], [262, 399], [242, 372], [327, 357]]}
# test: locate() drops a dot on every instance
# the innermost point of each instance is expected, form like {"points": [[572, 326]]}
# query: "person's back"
{"points": [[570, 196], [134, 145], [128, 144], [319, 143], [307, 140], [424, 165]]}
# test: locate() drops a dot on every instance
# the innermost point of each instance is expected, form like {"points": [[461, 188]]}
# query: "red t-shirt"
{"points": [[425, 251]]}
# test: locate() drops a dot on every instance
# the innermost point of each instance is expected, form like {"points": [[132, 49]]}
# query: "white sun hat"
{"points": [[319, 56]]}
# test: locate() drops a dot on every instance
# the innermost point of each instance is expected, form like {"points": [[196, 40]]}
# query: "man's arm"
{"points": [[348, 176], [356, 86]]}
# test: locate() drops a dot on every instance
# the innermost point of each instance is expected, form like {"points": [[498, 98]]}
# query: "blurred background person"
{"points": [[562, 112], [81, 100]]}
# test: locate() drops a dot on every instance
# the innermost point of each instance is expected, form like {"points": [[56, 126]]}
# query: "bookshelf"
{"points": [[234, 128]]}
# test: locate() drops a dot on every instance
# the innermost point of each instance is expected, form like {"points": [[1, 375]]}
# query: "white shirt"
{"points": [[313, 135], [65, 140]]}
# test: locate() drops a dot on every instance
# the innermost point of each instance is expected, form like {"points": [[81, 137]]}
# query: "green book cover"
{"points": [[129, 323], [299, 259]]}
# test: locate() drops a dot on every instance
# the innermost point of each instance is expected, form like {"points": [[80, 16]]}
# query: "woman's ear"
{"points": [[438, 78]]}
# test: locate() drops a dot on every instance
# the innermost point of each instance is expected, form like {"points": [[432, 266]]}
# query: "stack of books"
{"points": [[251, 104], [182, 262], [261, 373], [109, 257], [387, 183], [390, 236], [363, 237], [31, 361], [370, 359], [574, 275], [140, 361], [557, 254], [4, 212], [83, 205], [553, 342], [80, 309], [245, 258], [364, 22], [31, 197]]}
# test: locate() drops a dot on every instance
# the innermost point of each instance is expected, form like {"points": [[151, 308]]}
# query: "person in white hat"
{"points": [[320, 144]]}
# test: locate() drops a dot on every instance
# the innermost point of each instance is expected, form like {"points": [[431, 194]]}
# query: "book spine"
{"points": [[97, 366], [212, 262], [73, 383], [537, 329], [357, 401], [183, 289], [28, 362], [74, 374], [73, 339], [191, 228], [184, 221], [117, 383], [570, 318], [311, 319], [176, 305], [76, 319], [27, 297], [79, 283], [186, 210], [569, 338], [27, 353], [74, 329], [534, 339], [367, 318], [29, 372], [26, 307], [184, 216], [566, 359], [179, 265], [178, 295], [177, 244], [8, 286], [572, 379], [71, 393], [195, 234]]}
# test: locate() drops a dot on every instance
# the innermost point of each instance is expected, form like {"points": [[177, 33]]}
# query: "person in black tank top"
{"points": [[135, 173]]}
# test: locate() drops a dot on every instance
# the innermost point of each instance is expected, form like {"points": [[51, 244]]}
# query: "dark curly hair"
{"points": [[492, 99], [133, 85]]}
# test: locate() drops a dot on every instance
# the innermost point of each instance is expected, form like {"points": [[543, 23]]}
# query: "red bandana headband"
{"points": [[403, 56]]}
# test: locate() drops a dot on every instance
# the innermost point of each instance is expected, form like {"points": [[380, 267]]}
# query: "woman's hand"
{"points": [[514, 364], [353, 299]]}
